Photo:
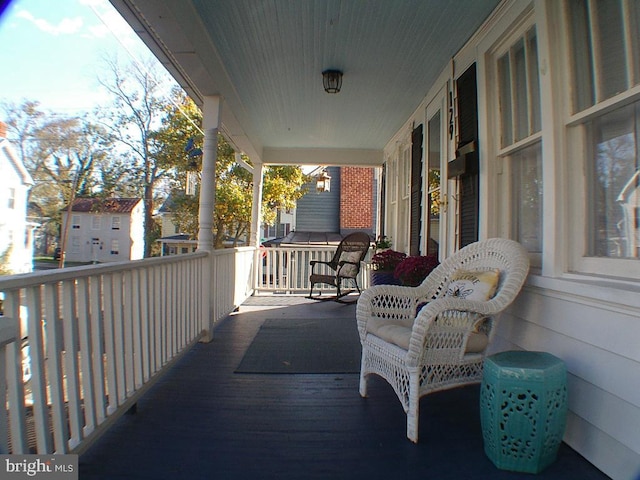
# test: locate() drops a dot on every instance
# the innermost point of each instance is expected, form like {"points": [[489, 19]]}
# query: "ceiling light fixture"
{"points": [[332, 81]]}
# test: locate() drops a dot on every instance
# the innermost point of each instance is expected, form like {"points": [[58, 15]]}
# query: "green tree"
{"points": [[140, 103], [62, 155], [182, 134]]}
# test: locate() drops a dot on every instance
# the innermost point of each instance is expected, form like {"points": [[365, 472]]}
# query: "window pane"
{"points": [[581, 55], [435, 153], [520, 87], [634, 28], [614, 189], [534, 80], [612, 65], [527, 197], [504, 86]]}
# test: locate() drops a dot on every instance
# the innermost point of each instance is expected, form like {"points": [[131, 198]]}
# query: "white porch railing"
{"points": [[99, 336], [287, 269]]}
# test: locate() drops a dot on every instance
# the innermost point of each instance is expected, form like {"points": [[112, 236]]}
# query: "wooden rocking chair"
{"points": [[345, 265]]}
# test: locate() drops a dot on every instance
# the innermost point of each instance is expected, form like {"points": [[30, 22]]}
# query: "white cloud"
{"points": [[66, 26], [111, 23]]}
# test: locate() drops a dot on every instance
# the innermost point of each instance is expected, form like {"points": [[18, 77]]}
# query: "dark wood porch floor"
{"points": [[203, 421]]}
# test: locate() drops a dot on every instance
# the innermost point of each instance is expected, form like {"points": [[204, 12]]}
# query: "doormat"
{"points": [[288, 346]]}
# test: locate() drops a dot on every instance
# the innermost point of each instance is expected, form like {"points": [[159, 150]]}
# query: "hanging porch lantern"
{"points": [[323, 182], [193, 166]]}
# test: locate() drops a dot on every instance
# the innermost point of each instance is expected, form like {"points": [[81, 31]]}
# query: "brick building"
{"points": [[350, 205]]}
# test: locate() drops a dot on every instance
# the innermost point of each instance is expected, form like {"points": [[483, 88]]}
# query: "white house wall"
{"points": [[15, 240], [592, 322], [81, 246]]}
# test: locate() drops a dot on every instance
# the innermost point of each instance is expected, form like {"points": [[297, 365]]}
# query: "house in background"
{"points": [[349, 205], [172, 241], [285, 223], [16, 234], [104, 230]]}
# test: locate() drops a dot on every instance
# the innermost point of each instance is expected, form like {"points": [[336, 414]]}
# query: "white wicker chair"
{"points": [[445, 344]]}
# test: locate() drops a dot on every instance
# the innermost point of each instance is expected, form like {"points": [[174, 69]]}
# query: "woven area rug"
{"points": [[321, 345]]}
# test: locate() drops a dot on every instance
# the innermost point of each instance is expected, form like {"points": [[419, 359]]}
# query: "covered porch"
{"points": [[203, 420], [431, 93]]}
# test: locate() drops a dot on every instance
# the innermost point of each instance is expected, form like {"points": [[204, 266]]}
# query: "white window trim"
{"points": [[405, 171], [579, 264], [498, 154], [392, 179]]}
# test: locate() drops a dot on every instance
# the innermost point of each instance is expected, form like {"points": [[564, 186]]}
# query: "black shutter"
{"points": [[416, 190], [468, 131]]}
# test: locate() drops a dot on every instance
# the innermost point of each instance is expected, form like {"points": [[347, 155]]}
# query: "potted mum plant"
{"points": [[383, 265], [411, 271], [382, 243]]}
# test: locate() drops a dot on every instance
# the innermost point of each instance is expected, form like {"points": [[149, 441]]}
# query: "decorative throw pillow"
{"points": [[473, 285], [349, 270]]}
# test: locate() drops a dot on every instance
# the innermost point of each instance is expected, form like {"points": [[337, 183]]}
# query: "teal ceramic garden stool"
{"points": [[523, 408]]}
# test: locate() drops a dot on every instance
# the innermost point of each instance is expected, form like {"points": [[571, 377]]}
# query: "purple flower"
{"points": [[387, 260], [413, 270]]}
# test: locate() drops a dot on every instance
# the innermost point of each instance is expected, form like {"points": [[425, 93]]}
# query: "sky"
{"points": [[52, 51]]}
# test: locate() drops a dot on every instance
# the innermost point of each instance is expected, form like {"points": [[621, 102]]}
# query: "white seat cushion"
{"points": [[398, 332], [394, 331]]}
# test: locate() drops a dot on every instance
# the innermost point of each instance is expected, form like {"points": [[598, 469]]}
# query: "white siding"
{"points": [[598, 340], [95, 244], [592, 322], [14, 234]]}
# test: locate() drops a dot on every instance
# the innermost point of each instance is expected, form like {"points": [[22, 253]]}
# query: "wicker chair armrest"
{"points": [[313, 264], [391, 301]]}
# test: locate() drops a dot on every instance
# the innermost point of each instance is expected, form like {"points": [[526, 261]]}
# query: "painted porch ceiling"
{"points": [[265, 58]]}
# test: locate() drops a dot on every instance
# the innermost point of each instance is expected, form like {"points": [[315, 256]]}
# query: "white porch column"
{"points": [[256, 208], [256, 213], [210, 123]]}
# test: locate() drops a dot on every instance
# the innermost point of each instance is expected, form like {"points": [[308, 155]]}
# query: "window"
{"points": [[75, 222], [115, 223], [605, 131], [96, 222], [520, 138], [526, 196], [75, 244], [605, 49], [614, 183], [11, 203], [519, 90], [115, 246]]}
